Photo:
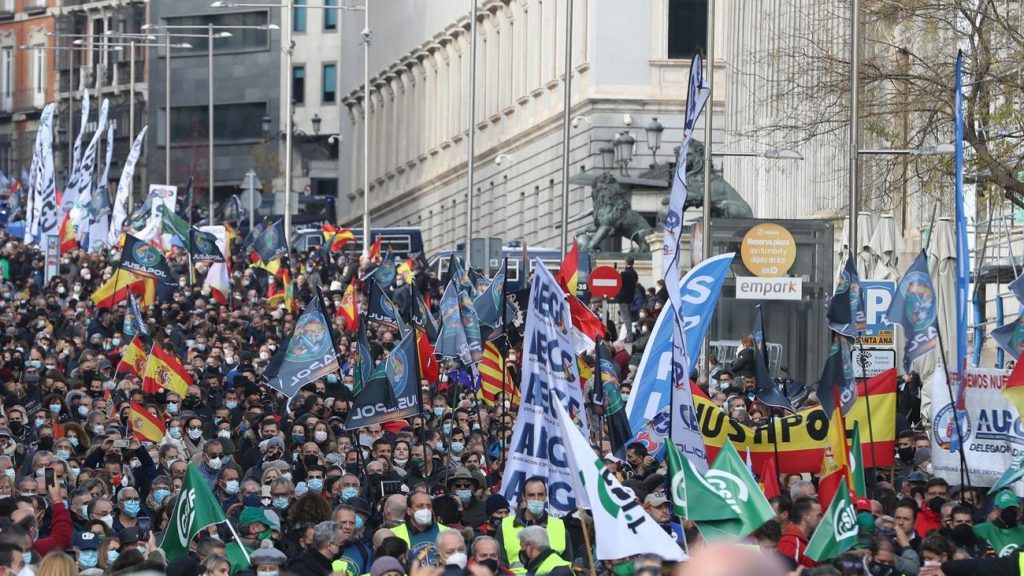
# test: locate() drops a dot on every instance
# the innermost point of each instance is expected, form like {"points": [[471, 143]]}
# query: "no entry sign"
{"points": [[605, 282]]}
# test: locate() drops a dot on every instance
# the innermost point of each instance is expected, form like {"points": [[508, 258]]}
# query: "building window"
{"points": [[39, 77], [231, 122], [687, 28], [7, 78], [299, 16], [250, 38], [330, 15], [299, 84], [330, 82]]}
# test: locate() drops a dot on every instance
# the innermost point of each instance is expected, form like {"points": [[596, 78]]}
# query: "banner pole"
{"points": [[775, 441], [965, 474], [586, 540]]}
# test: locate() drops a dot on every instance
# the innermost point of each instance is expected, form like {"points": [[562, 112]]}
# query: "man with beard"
{"points": [[1005, 533]]}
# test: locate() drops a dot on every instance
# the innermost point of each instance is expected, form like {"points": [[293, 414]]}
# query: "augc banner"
{"points": [[801, 437], [991, 433], [549, 375]]}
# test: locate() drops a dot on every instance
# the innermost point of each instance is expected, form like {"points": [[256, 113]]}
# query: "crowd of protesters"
{"points": [[79, 494]]}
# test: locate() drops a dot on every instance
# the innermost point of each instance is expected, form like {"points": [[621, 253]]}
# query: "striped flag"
{"points": [[163, 370], [67, 235], [349, 308], [145, 426], [115, 290], [134, 359], [569, 272], [336, 238], [491, 368]]}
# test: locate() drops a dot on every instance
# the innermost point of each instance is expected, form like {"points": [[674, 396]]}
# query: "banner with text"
{"points": [[549, 375], [991, 432]]}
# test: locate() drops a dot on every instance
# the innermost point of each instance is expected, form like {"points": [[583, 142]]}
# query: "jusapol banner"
{"points": [[991, 433], [549, 375]]}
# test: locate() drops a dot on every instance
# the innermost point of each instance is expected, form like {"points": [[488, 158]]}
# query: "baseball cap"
{"points": [[87, 541], [1006, 499], [655, 499]]}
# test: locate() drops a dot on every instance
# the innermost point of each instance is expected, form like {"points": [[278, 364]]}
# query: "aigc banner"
{"points": [[800, 437]]}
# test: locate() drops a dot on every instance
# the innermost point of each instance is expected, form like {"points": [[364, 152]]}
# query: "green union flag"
{"points": [[696, 500], [837, 531], [857, 463], [195, 509], [732, 479]]}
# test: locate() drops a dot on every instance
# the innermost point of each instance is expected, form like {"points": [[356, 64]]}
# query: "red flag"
{"points": [[584, 320], [67, 235], [349, 309], [568, 272], [429, 368], [375, 249], [1014, 389], [770, 479]]}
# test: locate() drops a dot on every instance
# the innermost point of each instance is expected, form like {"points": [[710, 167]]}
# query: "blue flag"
{"points": [[837, 375], [133, 323], [846, 309], [385, 272], [451, 342], [963, 255], [307, 355], [648, 404], [382, 310], [915, 308], [392, 391], [767, 392], [271, 243], [363, 349]]}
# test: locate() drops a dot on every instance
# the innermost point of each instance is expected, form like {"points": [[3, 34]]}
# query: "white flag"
{"points": [[71, 186], [44, 219], [83, 194], [622, 526], [120, 212]]}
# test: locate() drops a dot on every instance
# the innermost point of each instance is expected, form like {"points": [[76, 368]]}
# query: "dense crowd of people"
{"points": [[80, 494]]}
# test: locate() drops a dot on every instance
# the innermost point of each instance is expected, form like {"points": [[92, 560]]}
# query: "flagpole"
{"points": [[504, 359], [863, 361], [586, 539], [964, 472], [775, 440]]}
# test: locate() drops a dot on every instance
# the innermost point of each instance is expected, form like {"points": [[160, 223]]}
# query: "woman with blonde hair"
{"points": [[57, 564]]}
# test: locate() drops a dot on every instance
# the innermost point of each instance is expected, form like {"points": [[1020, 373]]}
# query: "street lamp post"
{"points": [[471, 141]]}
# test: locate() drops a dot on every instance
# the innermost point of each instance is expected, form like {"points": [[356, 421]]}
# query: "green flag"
{"points": [[857, 464], [195, 509], [696, 500], [173, 224], [1013, 473], [731, 478], [837, 531]]}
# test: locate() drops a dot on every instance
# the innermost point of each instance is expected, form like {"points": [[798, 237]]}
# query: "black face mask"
{"points": [[46, 443], [906, 454], [1009, 517], [524, 558], [935, 504], [963, 535], [877, 569], [310, 460], [17, 427]]}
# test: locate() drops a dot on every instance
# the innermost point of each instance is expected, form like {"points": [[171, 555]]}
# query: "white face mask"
{"points": [[214, 463], [458, 559], [423, 517]]}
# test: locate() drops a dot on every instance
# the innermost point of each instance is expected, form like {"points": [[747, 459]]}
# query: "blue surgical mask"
{"points": [[88, 558], [37, 364], [73, 440], [438, 411], [446, 428], [332, 378], [315, 484], [112, 556], [160, 494], [536, 507], [84, 511], [26, 557], [132, 508], [349, 492], [63, 454], [271, 573], [172, 408], [280, 502], [55, 408], [175, 432], [231, 487], [458, 447], [40, 422], [439, 447], [298, 437], [464, 495], [115, 342], [359, 522], [83, 410], [231, 405]]}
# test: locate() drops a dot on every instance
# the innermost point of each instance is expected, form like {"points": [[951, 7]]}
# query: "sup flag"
{"points": [[165, 371], [622, 526], [271, 243], [846, 309], [144, 259], [145, 426], [915, 308], [203, 246], [307, 355], [194, 509], [392, 391]]}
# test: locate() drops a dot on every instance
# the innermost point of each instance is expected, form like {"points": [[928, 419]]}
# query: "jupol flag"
{"points": [[385, 272], [163, 370], [846, 309], [915, 307], [394, 398], [569, 271], [382, 310], [452, 341], [622, 526], [349, 309], [133, 323], [271, 243], [607, 396], [1014, 389], [67, 235], [494, 375], [837, 374], [836, 532], [857, 480], [696, 499], [307, 355], [194, 509], [733, 480], [134, 359], [145, 426]]}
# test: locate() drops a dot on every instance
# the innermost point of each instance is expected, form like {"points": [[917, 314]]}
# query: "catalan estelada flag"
{"points": [[336, 238], [145, 426], [569, 272], [134, 359], [67, 234], [349, 309], [491, 368], [1014, 389], [163, 370], [115, 290]]}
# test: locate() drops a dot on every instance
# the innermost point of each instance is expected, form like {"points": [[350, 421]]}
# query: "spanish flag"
{"points": [[349, 309], [165, 371], [134, 359], [569, 271], [491, 382], [67, 234], [115, 290], [429, 368], [1014, 389], [336, 238], [145, 426], [282, 291], [834, 466], [374, 252]]}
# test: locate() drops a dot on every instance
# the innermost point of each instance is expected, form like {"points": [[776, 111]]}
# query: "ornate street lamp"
{"points": [[654, 130]]}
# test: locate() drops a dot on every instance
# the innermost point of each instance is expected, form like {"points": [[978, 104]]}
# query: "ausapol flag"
{"points": [[846, 309], [915, 307], [622, 526]]}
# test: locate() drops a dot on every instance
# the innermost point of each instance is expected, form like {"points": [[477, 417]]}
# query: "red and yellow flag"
{"points": [[430, 370], [349, 309], [281, 291], [145, 426], [134, 359], [374, 252], [569, 272], [1014, 389], [115, 290], [335, 237], [836, 463], [491, 368], [67, 234], [163, 370]]}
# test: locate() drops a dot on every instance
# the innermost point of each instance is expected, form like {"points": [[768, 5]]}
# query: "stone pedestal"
{"points": [[656, 241]]}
